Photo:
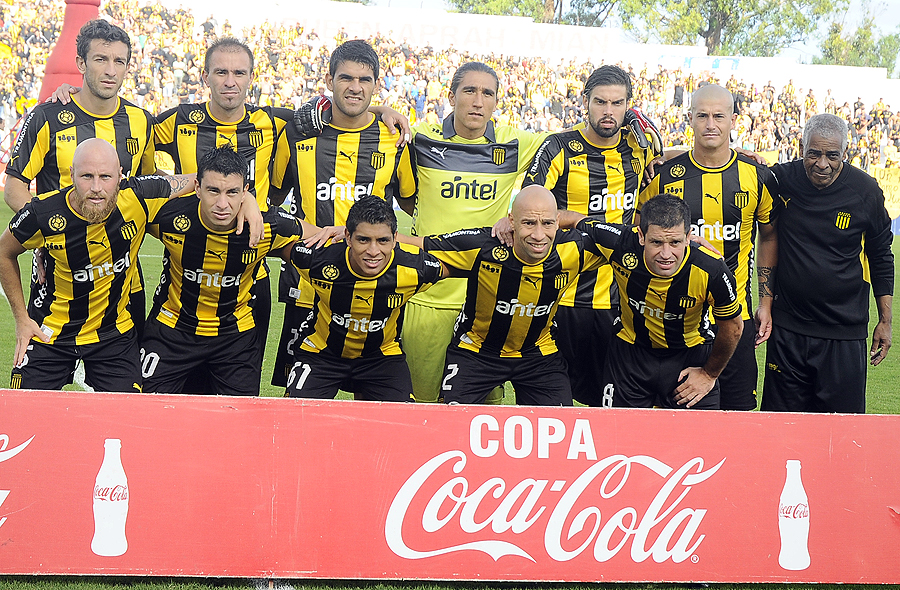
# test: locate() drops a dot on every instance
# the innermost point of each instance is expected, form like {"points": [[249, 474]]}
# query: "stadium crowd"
{"points": [[535, 95]]}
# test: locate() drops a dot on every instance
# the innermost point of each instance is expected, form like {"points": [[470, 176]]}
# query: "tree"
{"points": [[589, 13], [531, 8], [863, 47], [727, 27]]}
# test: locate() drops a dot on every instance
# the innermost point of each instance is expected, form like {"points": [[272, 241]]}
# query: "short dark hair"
{"points": [[357, 51], [472, 66], [226, 44], [608, 76], [102, 30], [223, 160], [373, 210], [665, 211]]}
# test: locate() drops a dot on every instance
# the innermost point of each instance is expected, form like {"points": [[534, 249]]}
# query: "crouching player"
{"points": [[665, 353], [361, 286], [202, 315]]}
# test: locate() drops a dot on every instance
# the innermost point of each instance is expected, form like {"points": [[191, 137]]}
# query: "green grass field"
{"points": [[883, 397]]}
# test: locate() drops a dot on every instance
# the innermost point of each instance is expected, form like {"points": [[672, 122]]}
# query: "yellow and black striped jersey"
{"points": [[188, 131], [665, 312], [205, 286], [359, 316], [332, 171], [465, 183], [593, 180], [509, 304], [46, 144], [87, 293], [726, 204]]}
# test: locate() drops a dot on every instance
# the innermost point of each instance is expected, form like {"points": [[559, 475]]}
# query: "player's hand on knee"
{"points": [[503, 231], [694, 384], [26, 330]]}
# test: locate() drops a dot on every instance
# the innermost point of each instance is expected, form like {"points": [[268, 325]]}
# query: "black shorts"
{"points": [[639, 377], [297, 321], [110, 365], [229, 362], [807, 374], [582, 335], [737, 383], [321, 375], [538, 380]]}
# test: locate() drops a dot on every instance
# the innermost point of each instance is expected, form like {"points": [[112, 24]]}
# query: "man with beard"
{"points": [[593, 170], [92, 231]]}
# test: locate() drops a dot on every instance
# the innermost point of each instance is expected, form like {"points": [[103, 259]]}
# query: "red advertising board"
{"points": [[255, 487]]}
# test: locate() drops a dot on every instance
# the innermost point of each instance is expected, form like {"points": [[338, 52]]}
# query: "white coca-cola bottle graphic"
{"points": [[793, 521], [110, 503]]}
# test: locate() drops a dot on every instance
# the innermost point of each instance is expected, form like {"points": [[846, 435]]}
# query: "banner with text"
{"points": [[166, 485]]}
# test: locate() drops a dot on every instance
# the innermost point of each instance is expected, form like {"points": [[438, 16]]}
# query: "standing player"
{"points": [[729, 196], [354, 156], [503, 332], [44, 149], [595, 170], [665, 354], [834, 245], [201, 316], [92, 231], [466, 169], [361, 287]]}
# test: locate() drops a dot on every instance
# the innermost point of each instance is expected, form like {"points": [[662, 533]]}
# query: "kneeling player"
{"points": [[665, 353], [201, 313], [361, 287]]}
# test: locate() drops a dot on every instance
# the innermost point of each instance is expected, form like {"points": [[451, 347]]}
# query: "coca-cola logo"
{"points": [[793, 510], [6, 454], [446, 506], [111, 494]]}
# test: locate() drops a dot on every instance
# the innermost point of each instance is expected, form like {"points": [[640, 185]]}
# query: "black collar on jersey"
{"points": [[449, 130]]}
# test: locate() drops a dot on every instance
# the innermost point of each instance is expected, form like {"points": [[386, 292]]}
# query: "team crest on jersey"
{"points": [[630, 260], [500, 253], [677, 171], [499, 156], [560, 281], [331, 272], [182, 223], [57, 222], [741, 199], [129, 230], [843, 220], [132, 145], [248, 256], [256, 138], [576, 146], [636, 165], [394, 300], [196, 116], [66, 117], [686, 302], [377, 160]]}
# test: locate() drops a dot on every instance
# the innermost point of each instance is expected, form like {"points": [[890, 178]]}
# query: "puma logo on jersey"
{"points": [[657, 293], [785, 201], [532, 281], [101, 243], [439, 152], [714, 198], [218, 255], [228, 138], [348, 156], [367, 300], [617, 168]]}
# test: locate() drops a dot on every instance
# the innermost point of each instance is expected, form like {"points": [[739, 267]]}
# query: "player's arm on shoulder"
{"points": [[569, 219], [250, 214], [16, 193], [394, 121], [766, 261], [316, 237], [180, 184], [63, 93], [11, 281], [417, 241]]}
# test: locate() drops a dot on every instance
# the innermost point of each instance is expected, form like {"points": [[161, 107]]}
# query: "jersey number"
{"points": [[607, 401], [305, 371], [148, 363], [454, 369]]}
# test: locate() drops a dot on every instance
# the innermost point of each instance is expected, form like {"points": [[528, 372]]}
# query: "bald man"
{"points": [[730, 198], [92, 231], [503, 332]]}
